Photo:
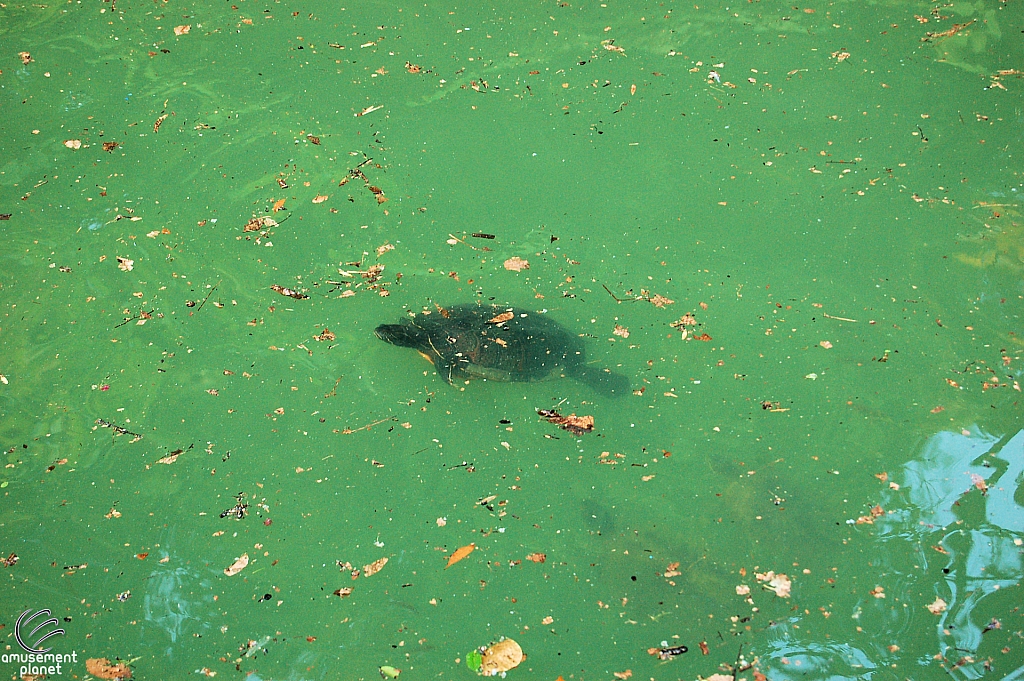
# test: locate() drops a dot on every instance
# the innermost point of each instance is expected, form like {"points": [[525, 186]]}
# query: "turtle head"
{"points": [[402, 335]]}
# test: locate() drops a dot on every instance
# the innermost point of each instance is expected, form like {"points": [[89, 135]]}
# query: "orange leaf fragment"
{"points": [[459, 554], [182, 30], [278, 205], [537, 557], [141, 556]]}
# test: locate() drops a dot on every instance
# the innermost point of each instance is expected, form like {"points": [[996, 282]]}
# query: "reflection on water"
{"points": [[959, 503], [175, 599], [801, 660], [790, 200], [941, 474], [951, 530]]}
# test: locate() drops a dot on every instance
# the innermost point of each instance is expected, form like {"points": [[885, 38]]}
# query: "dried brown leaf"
{"points": [[501, 657], [572, 423], [239, 565], [374, 567], [660, 300], [101, 668], [516, 264]]}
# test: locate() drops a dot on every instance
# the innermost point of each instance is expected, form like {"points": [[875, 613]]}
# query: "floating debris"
{"points": [[668, 652], [496, 659], [289, 292], [577, 425]]}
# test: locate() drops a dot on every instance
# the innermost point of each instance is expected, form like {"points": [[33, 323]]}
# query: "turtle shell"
{"points": [[498, 343], [488, 341]]}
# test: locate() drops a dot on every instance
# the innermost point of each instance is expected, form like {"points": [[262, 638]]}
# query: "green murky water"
{"points": [[831, 192]]}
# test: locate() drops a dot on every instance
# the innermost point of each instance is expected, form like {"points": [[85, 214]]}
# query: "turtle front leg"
{"points": [[446, 370]]}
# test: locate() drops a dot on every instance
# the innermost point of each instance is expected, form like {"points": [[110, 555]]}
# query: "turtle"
{"points": [[499, 343]]}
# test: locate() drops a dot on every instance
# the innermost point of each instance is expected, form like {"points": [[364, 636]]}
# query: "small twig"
{"points": [[142, 315], [463, 242], [842, 319], [739, 656], [116, 428], [349, 431], [334, 390], [617, 299], [210, 293], [929, 36]]}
